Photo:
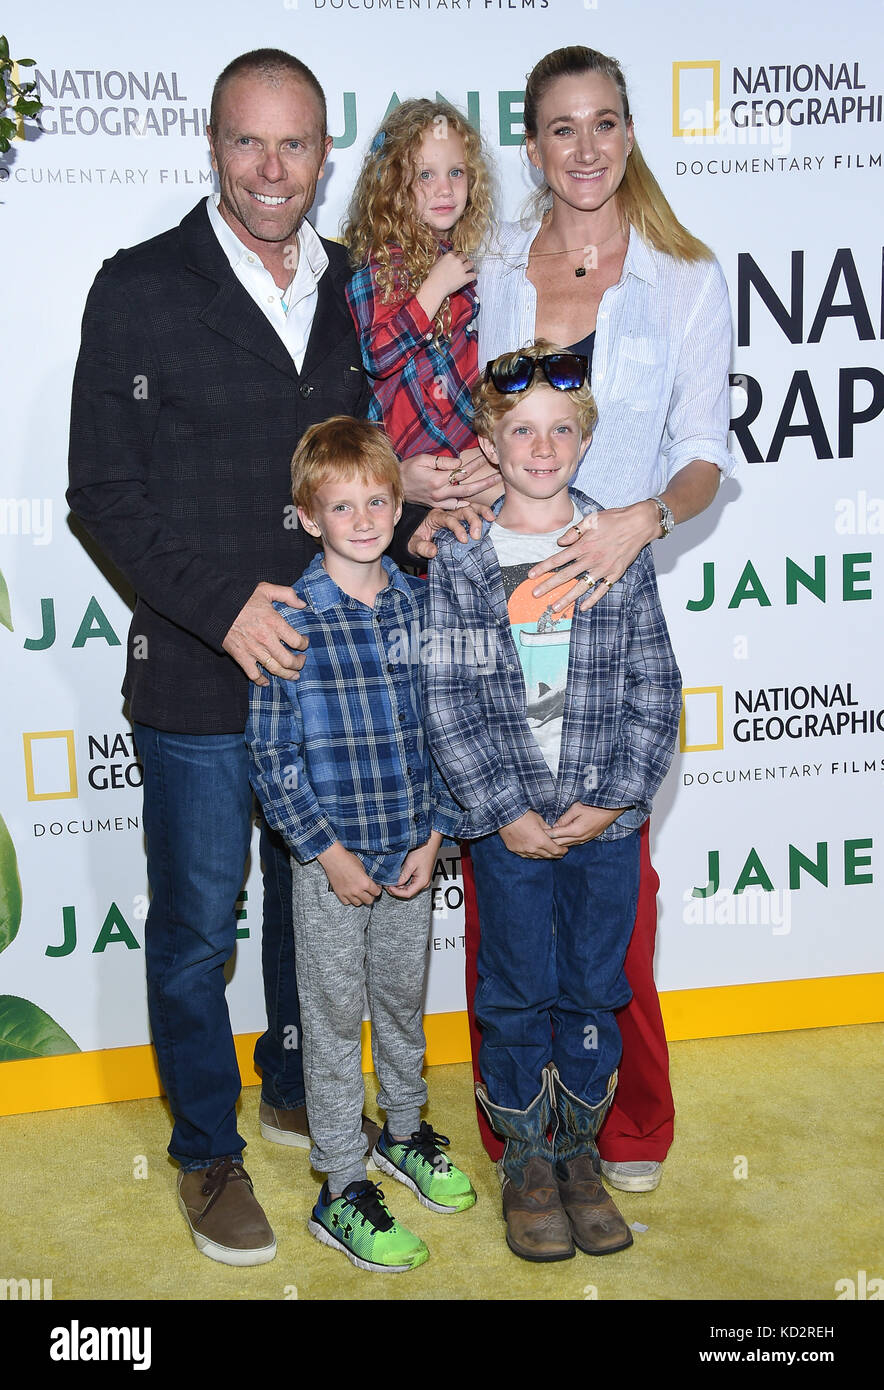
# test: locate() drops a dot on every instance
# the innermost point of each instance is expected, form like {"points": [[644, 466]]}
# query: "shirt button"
{"points": [[418, 818], [402, 719], [391, 669], [251, 260], [271, 299], [306, 390]]}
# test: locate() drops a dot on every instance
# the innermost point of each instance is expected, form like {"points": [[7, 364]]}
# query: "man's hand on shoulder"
{"points": [[258, 634]]}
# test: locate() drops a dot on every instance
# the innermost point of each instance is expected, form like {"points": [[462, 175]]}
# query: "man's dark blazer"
{"points": [[186, 410]]}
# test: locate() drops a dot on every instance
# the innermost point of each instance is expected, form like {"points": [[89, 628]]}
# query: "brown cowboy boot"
{"points": [[596, 1224], [537, 1228]]}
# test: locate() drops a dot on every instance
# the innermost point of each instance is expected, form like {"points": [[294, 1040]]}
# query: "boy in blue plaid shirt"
{"points": [[342, 769], [554, 747]]}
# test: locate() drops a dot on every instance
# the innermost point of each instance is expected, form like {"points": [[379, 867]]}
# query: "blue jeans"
{"points": [[198, 822], [550, 965]]}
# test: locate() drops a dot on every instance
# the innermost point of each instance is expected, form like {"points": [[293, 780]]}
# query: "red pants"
{"points": [[639, 1123]]}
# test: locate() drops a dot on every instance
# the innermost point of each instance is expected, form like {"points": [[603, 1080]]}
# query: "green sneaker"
{"points": [[421, 1165], [358, 1223]]}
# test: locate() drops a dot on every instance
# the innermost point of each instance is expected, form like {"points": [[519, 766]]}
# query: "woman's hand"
{"points": [[441, 480], [604, 544], [466, 522]]}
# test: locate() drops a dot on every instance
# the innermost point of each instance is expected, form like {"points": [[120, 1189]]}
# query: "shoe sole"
{"points": [[226, 1254], [284, 1136], [612, 1249], [295, 1141], [540, 1259], [325, 1237], [386, 1166], [648, 1184]]}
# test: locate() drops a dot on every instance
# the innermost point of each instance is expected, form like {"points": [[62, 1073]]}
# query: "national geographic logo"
{"points": [[769, 714], [770, 96], [97, 101], [50, 761]]}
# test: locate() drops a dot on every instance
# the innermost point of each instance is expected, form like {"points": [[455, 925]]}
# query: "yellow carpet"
{"points": [[795, 1111]]}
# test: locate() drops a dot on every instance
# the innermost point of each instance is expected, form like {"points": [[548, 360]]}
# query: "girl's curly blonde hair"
{"points": [[382, 207]]}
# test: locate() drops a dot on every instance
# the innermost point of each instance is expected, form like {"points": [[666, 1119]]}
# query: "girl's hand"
{"points": [[440, 480], [450, 273], [604, 544], [531, 838], [581, 823]]}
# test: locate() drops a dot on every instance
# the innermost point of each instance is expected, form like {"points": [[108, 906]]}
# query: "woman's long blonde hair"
{"points": [[640, 199], [382, 210]]}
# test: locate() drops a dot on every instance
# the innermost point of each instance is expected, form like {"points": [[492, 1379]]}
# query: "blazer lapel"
{"points": [[332, 321], [232, 312]]}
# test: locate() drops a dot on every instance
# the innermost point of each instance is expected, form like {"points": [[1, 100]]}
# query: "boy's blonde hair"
{"points": [[491, 405], [342, 448], [382, 208]]}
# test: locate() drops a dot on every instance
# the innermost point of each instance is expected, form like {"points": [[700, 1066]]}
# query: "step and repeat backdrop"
{"points": [[766, 132]]}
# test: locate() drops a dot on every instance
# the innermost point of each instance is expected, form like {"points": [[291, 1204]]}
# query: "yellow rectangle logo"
{"points": [[696, 91], [701, 726], [50, 765]]}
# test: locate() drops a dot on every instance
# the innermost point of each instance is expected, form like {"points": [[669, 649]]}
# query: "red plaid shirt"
{"points": [[420, 389]]}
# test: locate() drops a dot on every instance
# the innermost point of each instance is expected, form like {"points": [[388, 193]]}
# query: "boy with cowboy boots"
{"points": [[554, 744]]}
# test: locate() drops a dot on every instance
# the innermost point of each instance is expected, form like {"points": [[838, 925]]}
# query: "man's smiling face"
{"points": [[269, 151]]}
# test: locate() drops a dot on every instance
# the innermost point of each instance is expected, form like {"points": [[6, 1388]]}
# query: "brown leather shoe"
{"points": [[285, 1126], [537, 1228], [224, 1217], [291, 1127], [597, 1225]]}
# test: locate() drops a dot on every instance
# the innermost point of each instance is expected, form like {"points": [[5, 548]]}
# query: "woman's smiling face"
{"points": [[582, 140]]}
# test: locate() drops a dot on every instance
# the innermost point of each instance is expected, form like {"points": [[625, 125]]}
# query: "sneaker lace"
{"points": [[366, 1200], [429, 1144]]}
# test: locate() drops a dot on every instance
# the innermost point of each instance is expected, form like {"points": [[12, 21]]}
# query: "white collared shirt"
{"points": [[659, 367], [292, 323]]}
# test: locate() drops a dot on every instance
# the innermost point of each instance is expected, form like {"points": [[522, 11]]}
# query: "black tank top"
{"points": [[584, 349]]}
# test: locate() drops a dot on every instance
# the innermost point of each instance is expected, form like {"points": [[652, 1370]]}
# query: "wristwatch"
{"points": [[667, 520]]}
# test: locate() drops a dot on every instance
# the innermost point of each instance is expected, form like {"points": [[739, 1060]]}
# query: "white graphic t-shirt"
{"points": [[542, 637]]}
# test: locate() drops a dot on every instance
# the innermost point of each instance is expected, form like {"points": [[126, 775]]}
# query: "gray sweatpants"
{"points": [[342, 953]]}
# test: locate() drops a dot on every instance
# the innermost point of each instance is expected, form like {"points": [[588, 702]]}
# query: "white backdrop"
{"points": [[783, 815]]}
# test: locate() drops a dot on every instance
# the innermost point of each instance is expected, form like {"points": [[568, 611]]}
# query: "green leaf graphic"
{"points": [[5, 609], [10, 889], [27, 1031]]}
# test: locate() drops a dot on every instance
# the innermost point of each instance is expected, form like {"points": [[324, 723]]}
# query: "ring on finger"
{"points": [[588, 579], [453, 479]]}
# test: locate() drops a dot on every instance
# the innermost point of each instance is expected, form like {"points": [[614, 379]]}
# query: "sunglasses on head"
{"points": [[564, 371]]}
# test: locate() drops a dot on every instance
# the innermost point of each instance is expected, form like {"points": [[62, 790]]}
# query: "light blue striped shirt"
{"points": [[659, 368]]}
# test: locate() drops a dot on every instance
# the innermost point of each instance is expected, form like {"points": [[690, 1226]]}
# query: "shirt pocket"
{"points": [[639, 372]]}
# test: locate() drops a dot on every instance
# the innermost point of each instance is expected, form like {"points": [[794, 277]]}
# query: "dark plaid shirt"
{"points": [[622, 699]]}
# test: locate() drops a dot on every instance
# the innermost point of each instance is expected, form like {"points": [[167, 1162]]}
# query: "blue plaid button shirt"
{"points": [[341, 753], [622, 700]]}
